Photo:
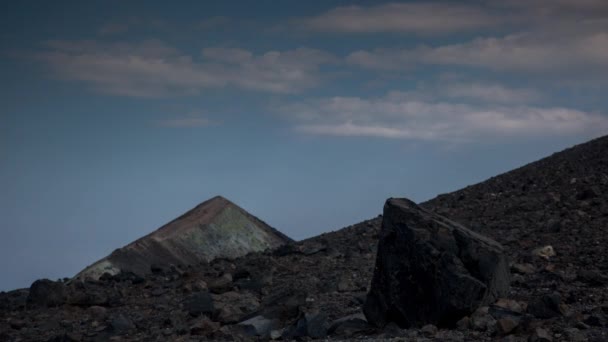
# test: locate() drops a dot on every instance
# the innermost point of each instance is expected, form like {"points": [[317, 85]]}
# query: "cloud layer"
{"points": [[397, 116], [422, 18], [152, 68]]}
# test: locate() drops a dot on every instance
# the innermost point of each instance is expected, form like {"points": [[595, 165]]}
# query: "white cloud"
{"points": [[488, 92], [529, 52], [427, 17], [395, 116], [152, 68]]}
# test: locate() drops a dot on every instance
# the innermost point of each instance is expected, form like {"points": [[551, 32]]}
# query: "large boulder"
{"points": [[430, 270], [47, 293]]}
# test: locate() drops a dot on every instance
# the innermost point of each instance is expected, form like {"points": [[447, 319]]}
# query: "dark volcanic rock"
{"points": [[199, 303], [432, 270], [47, 293], [546, 306]]}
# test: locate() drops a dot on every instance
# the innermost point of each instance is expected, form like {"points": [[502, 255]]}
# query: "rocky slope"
{"points": [[317, 287]]}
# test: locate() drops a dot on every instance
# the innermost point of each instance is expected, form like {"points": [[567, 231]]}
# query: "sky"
{"points": [[118, 116]]}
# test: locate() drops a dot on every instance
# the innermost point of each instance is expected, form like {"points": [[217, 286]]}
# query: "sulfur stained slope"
{"points": [[216, 228]]}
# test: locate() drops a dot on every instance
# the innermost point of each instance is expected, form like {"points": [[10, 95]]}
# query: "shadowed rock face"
{"points": [[430, 270], [216, 228]]}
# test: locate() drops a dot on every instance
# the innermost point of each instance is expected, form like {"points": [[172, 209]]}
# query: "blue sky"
{"points": [[119, 116]]}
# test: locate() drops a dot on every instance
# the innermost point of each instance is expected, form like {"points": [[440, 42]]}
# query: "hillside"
{"points": [[305, 287]]}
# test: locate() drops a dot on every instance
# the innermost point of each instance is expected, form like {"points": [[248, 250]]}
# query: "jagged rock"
{"points": [[47, 293], [313, 325], [430, 270], [349, 326]]}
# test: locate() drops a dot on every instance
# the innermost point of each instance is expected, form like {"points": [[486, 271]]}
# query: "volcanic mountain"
{"points": [[216, 228]]}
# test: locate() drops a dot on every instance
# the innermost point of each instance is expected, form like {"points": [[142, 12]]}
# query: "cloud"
{"points": [[528, 52], [428, 17], [488, 92], [152, 68], [396, 116]]}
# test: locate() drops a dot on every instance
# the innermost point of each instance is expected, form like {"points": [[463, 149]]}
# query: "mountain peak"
{"points": [[214, 228]]}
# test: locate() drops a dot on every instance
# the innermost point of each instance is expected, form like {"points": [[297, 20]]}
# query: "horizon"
{"points": [[119, 117]]}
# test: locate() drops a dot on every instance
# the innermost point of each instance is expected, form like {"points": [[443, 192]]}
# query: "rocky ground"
{"points": [[315, 289]]}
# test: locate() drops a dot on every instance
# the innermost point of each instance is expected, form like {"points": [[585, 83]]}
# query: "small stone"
{"points": [[429, 330], [544, 252], [506, 325], [259, 326], [541, 335], [276, 334], [464, 323], [204, 327], [481, 320]]}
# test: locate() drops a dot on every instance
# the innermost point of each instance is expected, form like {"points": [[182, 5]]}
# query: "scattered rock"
{"points": [[545, 252], [481, 320], [121, 324], [204, 327], [316, 325], [349, 326], [200, 303], [593, 278], [546, 306], [221, 284], [430, 270], [541, 335], [98, 313], [259, 326], [506, 325], [429, 330]]}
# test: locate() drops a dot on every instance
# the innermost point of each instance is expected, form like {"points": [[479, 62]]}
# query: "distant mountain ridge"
{"points": [[216, 228]]}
